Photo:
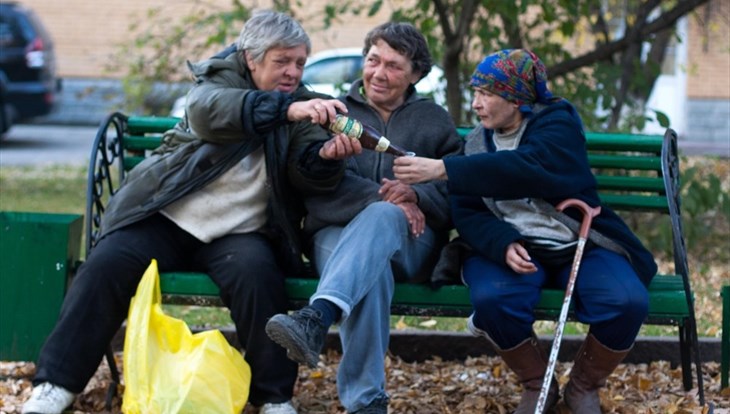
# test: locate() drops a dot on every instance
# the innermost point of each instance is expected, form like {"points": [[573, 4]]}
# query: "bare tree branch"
{"points": [[442, 11], [656, 54], [630, 56], [511, 26], [664, 21], [600, 27], [453, 49], [468, 11]]}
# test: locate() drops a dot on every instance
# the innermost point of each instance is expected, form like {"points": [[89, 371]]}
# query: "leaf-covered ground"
{"points": [[476, 385]]}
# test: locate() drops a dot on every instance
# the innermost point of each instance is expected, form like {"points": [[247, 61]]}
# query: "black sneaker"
{"points": [[378, 406], [301, 333]]}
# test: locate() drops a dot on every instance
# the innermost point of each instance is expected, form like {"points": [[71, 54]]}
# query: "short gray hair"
{"points": [[267, 29]]}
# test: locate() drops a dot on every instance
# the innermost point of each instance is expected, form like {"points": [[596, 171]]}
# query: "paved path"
{"points": [[27, 144]]}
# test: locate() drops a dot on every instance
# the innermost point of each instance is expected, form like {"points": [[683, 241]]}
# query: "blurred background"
{"points": [[628, 65]]}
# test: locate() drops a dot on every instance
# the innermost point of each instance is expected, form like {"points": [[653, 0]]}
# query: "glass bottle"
{"points": [[368, 136]]}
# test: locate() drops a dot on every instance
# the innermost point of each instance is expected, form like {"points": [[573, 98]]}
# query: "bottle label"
{"points": [[348, 126], [383, 144]]}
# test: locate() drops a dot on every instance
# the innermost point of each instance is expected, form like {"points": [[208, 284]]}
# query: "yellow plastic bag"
{"points": [[169, 370]]}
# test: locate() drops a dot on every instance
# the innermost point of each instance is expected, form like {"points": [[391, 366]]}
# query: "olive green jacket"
{"points": [[226, 119]]}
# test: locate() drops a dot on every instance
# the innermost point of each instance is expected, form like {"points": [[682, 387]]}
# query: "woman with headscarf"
{"points": [[529, 154]]}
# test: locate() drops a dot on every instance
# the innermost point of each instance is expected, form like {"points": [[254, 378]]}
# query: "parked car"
{"points": [[27, 63], [333, 71], [5, 118]]}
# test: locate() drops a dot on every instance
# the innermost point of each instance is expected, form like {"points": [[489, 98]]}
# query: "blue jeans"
{"points": [[358, 266], [608, 296]]}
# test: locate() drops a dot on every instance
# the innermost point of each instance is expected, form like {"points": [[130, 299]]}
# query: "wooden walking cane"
{"points": [[585, 226]]}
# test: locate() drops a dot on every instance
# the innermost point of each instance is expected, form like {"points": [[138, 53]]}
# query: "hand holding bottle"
{"points": [[340, 147], [318, 111]]}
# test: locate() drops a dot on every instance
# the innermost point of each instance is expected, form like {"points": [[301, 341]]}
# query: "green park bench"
{"points": [[634, 173]]}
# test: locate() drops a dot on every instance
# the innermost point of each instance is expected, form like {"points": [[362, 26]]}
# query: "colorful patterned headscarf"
{"points": [[516, 75]]}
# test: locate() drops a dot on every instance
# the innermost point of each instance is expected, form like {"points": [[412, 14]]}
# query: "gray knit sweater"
{"points": [[419, 125]]}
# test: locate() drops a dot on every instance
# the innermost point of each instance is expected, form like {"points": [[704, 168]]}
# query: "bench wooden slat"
{"points": [[604, 141], [625, 162], [666, 293], [634, 202], [141, 142], [598, 141], [187, 283], [624, 183], [131, 162], [149, 124]]}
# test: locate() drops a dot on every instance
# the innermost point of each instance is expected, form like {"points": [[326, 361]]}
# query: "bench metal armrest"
{"points": [[103, 181], [670, 172]]}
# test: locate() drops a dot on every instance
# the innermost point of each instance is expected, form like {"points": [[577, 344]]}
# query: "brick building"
{"points": [[708, 74], [695, 89]]}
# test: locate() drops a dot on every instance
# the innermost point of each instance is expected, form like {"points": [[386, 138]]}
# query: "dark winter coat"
{"points": [[419, 125], [227, 118], [551, 164]]}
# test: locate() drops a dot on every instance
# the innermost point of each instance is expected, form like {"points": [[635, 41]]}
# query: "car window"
{"points": [[336, 71], [10, 33]]}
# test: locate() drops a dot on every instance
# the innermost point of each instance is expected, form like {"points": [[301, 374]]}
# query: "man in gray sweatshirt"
{"points": [[374, 230]]}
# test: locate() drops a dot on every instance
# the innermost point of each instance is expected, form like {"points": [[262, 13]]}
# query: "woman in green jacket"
{"points": [[223, 197]]}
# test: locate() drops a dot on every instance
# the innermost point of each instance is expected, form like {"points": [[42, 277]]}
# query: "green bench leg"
{"points": [[725, 363]]}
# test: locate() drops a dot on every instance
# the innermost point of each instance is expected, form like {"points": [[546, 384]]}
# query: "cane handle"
{"points": [[587, 211]]}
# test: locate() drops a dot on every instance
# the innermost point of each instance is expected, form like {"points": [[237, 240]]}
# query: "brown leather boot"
{"points": [[529, 362], [593, 364]]}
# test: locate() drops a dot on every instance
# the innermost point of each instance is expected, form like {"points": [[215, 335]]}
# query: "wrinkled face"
{"points": [[387, 75], [280, 69], [495, 112]]}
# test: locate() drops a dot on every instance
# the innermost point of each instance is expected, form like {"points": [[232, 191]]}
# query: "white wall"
{"points": [[670, 91]]}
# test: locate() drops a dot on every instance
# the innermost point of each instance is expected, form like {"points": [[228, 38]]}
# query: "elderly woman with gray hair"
{"points": [[528, 155], [223, 195]]}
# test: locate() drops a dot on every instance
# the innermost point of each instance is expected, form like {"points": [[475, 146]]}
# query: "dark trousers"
{"points": [[242, 265], [608, 296]]}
